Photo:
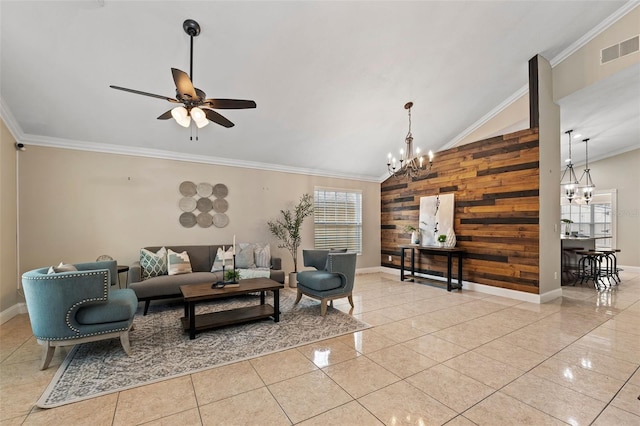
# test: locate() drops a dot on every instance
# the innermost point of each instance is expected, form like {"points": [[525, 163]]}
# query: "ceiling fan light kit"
{"points": [[195, 106]]}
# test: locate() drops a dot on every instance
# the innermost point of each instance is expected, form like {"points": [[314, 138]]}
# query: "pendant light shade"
{"points": [[569, 181], [586, 183], [181, 115]]}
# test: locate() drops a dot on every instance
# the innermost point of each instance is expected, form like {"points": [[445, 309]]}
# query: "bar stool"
{"points": [[589, 267], [570, 265]]}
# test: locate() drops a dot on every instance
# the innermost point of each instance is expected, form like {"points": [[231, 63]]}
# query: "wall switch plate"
{"points": [[390, 259]]}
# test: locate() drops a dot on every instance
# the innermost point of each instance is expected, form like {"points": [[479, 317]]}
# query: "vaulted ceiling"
{"points": [[330, 79]]}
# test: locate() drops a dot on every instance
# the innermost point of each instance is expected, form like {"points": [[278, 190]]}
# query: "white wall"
{"points": [[8, 224], [622, 172], [77, 205]]}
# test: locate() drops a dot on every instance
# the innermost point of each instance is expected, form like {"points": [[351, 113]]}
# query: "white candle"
{"points": [[234, 244], [224, 253], [430, 156]]}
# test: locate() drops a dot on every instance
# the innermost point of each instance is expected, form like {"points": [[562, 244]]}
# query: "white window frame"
{"points": [[328, 219]]}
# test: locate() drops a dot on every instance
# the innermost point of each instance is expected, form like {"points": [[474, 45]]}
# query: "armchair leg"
{"points": [[323, 307], [47, 355], [298, 297], [350, 297], [124, 340]]}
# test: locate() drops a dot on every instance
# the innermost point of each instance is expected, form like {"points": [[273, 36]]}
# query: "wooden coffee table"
{"points": [[197, 293]]}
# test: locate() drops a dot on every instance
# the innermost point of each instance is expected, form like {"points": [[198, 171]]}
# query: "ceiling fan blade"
{"points": [[229, 103], [217, 118], [167, 115], [138, 92], [184, 86]]}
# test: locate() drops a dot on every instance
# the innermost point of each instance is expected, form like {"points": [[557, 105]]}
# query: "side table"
{"points": [[121, 270]]}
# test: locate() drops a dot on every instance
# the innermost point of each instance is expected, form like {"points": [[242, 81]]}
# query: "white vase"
{"points": [[293, 279], [415, 237], [451, 238]]}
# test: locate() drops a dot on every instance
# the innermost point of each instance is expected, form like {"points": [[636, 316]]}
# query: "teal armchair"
{"points": [[70, 308], [333, 278]]}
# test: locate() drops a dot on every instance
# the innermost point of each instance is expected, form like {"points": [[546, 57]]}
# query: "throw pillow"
{"points": [[228, 256], [178, 263], [62, 267], [244, 256], [262, 254], [153, 264]]}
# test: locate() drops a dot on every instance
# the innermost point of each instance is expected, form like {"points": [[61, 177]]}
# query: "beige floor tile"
{"points": [[635, 379], [468, 336], [223, 382], [595, 385], [612, 416], [396, 313], [460, 421], [538, 341], [360, 376], [621, 324], [185, 418], [399, 332], [154, 401], [509, 354], [556, 400], [373, 318], [254, 407], [15, 421], [500, 409], [403, 404], [435, 348], [627, 399], [622, 340], [269, 366], [308, 395], [484, 369], [24, 373], [366, 341], [20, 399], [401, 361], [597, 362], [95, 411], [328, 352], [423, 323], [455, 390], [610, 348], [351, 413]]}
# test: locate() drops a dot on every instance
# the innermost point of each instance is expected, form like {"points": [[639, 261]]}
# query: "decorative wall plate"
{"points": [[204, 204], [204, 189], [220, 220], [187, 204], [188, 189], [220, 205], [188, 219], [204, 220], [220, 190]]}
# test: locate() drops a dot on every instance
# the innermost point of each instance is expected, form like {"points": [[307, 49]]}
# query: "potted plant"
{"points": [[232, 275], [287, 230], [442, 238], [567, 226], [415, 234]]}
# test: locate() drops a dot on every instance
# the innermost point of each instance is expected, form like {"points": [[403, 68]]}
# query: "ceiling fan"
{"points": [[195, 104]]}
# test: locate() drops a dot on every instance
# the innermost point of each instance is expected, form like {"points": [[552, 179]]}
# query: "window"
{"points": [[595, 219], [337, 218]]}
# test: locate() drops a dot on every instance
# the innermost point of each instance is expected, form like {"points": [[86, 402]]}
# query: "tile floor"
{"points": [[431, 358]]}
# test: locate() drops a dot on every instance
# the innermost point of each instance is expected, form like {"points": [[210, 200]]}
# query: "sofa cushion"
{"points": [[262, 254], [245, 256], [153, 264], [178, 263], [169, 285], [62, 267]]}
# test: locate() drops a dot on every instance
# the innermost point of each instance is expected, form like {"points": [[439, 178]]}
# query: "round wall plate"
{"points": [[204, 204], [204, 220], [188, 189], [187, 204], [220, 220], [220, 190], [204, 189], [188, 219], [220, 205]]}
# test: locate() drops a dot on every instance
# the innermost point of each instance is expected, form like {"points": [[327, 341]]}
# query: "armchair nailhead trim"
{"points": [[83, 335]]}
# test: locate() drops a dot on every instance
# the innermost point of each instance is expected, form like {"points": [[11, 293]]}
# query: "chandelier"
{"points": [[570, 185], [588, 187], [411, 165]]}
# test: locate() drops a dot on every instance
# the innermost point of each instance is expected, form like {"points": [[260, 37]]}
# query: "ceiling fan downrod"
{"points": [[192, 28]]}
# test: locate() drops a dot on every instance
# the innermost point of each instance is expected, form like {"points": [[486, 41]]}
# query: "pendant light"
{"points": [[569, 185], [588, 187]]}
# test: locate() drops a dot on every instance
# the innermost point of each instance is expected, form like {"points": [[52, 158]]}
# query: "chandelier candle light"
{"points": [[588, 187], [411, 165], [570, 185]]}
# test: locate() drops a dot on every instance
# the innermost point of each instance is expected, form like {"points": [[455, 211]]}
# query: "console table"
{"points": [[436, 251]]}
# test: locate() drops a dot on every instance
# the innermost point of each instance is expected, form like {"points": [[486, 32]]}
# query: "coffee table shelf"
{"points": [[234, 316]]}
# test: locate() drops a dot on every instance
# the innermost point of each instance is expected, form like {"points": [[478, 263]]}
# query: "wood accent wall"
{"points": [[496, 187]]}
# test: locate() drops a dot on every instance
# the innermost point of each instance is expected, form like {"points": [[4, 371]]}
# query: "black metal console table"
{"points": [[436, 251]]}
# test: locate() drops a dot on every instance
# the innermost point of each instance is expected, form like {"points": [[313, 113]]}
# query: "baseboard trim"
{"points": [[17, 309], [634, 269], [487, 289]]}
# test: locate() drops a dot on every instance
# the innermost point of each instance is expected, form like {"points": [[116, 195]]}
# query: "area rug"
{"points": [[160, 349]]}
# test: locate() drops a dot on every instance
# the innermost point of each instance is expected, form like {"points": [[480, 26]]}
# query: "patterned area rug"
{"points": [[160, 349]]}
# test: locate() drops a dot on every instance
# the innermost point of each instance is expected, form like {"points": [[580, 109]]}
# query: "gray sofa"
{"points": [[168, 286]]}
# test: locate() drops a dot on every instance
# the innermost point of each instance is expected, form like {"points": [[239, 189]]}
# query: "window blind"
{"points": [[338, 219]]}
